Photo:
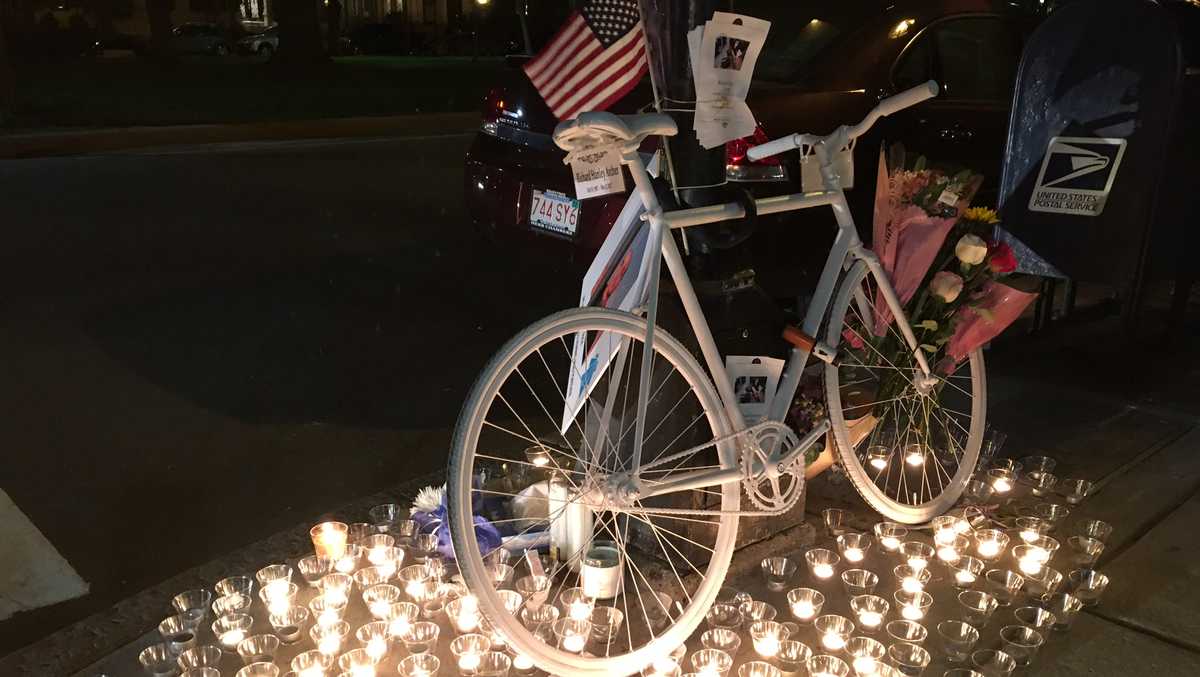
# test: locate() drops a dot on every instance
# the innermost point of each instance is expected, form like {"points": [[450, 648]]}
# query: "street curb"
{"points": [[84, 142], [81, 645]]}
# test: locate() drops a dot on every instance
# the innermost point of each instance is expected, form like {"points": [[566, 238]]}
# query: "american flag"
{"points": [[594, 60]]}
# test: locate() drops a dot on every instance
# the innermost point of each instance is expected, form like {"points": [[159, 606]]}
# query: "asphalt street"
{"points": [[203, 346]]}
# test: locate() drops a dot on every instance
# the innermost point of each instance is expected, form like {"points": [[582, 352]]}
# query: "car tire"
{"points": [[267, 52]]}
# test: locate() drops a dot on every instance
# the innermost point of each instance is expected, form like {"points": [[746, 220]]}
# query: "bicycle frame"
{"points": [[846, 250]]}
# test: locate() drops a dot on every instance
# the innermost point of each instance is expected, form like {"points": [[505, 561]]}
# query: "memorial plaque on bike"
{"points": [[598, 172]]}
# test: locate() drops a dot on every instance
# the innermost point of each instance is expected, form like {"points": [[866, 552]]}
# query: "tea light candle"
{"points": [[522, 663], [767, 636], [329, 539], [468, 662], [833, 641], [803, 610], [377, 647], [912, 612], [231, 638], [990, 543], [1001, 479], [890, 535], [913, 605], [805, 603], [834, 631], [865, 665], [964, 577], [870, 619]]}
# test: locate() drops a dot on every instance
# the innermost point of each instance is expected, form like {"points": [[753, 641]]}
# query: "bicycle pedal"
{"points": [[796, 336]]}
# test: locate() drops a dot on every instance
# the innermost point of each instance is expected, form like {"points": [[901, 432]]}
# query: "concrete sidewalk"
{"points": [[85, 142]]}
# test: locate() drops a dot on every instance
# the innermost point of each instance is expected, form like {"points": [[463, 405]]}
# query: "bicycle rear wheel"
{"points": [[925, 445], [674, 549]]}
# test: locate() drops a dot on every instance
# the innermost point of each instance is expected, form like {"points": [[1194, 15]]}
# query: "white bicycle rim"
{"points": [[459, 489], [957, 430]]}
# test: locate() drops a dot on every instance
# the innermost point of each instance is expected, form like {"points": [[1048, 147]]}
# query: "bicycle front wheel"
{"points": [[673, 550], [925, 442]]}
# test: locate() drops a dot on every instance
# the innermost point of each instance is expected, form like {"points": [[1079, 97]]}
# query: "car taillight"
{"points": [[738, 167], [493, 109]]}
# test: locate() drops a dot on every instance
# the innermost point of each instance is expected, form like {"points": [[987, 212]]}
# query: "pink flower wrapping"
{"points": [[1000, 304]]}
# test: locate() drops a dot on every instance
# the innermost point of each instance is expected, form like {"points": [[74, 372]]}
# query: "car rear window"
{"points": [[801, 32]]}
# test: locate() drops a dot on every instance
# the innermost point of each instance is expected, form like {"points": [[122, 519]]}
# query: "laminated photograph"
{"points": [[754, 382], [723, 53]]}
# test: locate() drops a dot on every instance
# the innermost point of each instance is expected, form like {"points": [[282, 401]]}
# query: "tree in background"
{"points": [[299, 32]]}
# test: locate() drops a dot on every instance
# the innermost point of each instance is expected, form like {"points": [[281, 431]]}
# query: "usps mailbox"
{"points": [[1095, 136]]}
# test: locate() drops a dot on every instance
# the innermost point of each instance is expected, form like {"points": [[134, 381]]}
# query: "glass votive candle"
{"points": [[375, 638], [711, 662], [722, 639], [821, 563], [766, 637], [833, 631], [231, 604], [859, 582], [911, 632], [534, 589], [289, 625], [576, 604], [193, 603], [279, 596], [380, 598], [350, 559], [1032, 464], [1004, 585], [793, 658], [865, 655], [758, 669], [388, 560], [853, 547], [805, 604], [1087, 585], [1085, 551], [910, 659], [778, 572], [493, 664], [420, 637], [1051, 512], [1074, 491], [870, 611], [958, 639], [945, 528], [360, 531], [1030, 560], [911, 579], [952, 551], [259, 669], [1035, 617], [463, 614], [357, 662], [373, 575], [336, 586], [258, 649], [329, 638], [376, 544], [326, 610], [312, 663], [1097, 529], [158, 661], [990, 543], [206, 656], [420, 665], [1030, 528], [523, 665], [993, 663], [313, 568], [231, 629], [916, 554], [178, 632], [1040, 483], [1043, 547], [890, 535], [533, 617], [467, 650], [571, 634], [413, 580], [329, 539], [402, 615], [754, 611], [230, 585], [424, 547], [1044, 582], [1001, 480], [606, 623], [1021, 642], [824, 665], [912, 605], [272, 573], [201, 672], [724, 616], [835, 519], [977, 607], [978, 492], [1065, 607], [966, 571]]}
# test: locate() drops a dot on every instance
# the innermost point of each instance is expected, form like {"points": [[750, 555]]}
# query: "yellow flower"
{"points": [[982, 215]]}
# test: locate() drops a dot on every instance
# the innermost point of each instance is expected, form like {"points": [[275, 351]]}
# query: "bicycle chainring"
{"points": [[773, 489]]}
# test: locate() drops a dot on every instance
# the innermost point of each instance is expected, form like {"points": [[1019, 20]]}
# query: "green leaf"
{"points": [[919, 165], [943, 340], [929, 348], [931, 325]]}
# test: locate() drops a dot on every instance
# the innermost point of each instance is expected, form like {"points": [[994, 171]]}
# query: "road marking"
{"points": [[32, 572], [243, 146]]}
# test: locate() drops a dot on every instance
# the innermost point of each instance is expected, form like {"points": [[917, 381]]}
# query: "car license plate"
{"points": [[554, 212]]}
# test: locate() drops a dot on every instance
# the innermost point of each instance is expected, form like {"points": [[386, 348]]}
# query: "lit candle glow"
{"points": [[377, 647], [468, 662], [822, 570], [865, 665], [870, 619], [803, 609], [912, 612], [989, 548], [964, 577], [231, 638], [948, 553], [833, 641], [853, 554], [889, 542], [573, 643]]}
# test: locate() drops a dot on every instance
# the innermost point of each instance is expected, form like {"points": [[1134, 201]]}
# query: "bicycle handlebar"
{"points": [[886, 107]]}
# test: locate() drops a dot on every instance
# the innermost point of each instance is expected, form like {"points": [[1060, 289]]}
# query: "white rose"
{"points": [[946, 285], [971, 249]]}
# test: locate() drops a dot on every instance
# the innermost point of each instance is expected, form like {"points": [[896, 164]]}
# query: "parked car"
{"points": [[262, 44], [824, 64], [199, 38]]}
